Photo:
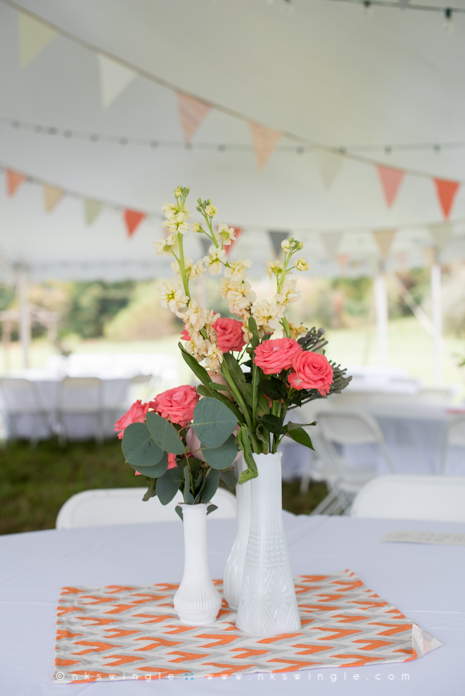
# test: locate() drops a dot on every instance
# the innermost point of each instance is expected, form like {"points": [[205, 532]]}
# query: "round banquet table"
{"points": [[424, 581]]}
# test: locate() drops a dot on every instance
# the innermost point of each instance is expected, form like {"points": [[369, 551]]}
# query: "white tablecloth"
{"points": [[424, 582], [79, 426]]}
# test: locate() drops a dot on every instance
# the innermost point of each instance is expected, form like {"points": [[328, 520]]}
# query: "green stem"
{"points": [[286, 327], [182, 267], [237, 393]]}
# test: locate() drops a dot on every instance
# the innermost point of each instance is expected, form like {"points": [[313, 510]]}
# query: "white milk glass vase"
{"points": [[268, 604], [197, 600], [232, 579]]}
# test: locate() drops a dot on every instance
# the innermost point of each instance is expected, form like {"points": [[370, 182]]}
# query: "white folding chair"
{"points": [[21, 398], [80, 396], [125, 506], [436, 395], [436, 498], [344, 479], [453, 437]]}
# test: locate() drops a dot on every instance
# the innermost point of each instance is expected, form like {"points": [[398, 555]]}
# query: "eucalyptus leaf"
{"points": [[178, 511], [164, 434], [168, 485], [229, 478], [213, 422], [188, 497], [212, 482], [139, 447], [155, 471], [151, 491], [211, 508], [223, 456]]}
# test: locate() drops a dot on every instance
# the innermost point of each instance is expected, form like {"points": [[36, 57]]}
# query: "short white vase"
{"points": [[197, 600], [232, 579], [268, 604]]}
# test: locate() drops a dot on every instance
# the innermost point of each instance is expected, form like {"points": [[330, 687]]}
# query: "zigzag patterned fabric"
{"points": [[121, 632]]}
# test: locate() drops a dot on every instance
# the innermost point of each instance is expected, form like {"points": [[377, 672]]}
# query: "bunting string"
{"points": [[49, 30]]}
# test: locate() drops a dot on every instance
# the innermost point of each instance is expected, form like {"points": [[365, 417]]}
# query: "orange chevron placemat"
{"points": [[133, 632]]}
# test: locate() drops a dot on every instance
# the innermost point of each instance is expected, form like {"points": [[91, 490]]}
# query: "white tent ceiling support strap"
{"points": [[24, 319], [382, 316], [436, 312]]}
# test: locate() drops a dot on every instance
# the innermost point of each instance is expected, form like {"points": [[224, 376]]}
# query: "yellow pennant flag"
{"points": [[51, 196], [34, 36]]}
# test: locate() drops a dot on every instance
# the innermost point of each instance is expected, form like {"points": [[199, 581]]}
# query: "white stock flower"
{"points": [[302, 265], [197, 270], [167, 246], [273, 268], [211, 210], [194, 316], [237, 270], [172, 295], [214, 358], [227, 234], [188, 265], [296, 331], [286, 245], [288, 293], [175, 227], [267, 315], [197, 227], [215, 260], [238, 295], [168, 209]]}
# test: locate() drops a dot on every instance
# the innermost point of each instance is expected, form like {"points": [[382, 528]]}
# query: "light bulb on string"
{"points": [[448, 24], [367, 7]]}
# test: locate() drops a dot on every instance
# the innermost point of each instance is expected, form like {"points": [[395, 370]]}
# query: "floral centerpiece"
{"points": [[253, 368]]}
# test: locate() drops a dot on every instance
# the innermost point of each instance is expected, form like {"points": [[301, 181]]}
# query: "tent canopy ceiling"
{"points": [[326, 73]]}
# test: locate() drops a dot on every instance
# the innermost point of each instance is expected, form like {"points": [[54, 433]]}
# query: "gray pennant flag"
{"points": [[276, 239]]}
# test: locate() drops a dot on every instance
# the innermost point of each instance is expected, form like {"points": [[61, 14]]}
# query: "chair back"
{"points": [[435, 498], [125, 506], [453, 437], [80, 395], [20, 395], [435, 395]]}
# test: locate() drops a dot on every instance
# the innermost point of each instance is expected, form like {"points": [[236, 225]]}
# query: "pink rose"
{"points": [[276, 354], [177, 404], [312, 371], [229, 333], [136, 414], [194, 444]]}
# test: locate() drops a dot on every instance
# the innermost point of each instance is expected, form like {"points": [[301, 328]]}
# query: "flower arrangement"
{"points": [[250, 376]]}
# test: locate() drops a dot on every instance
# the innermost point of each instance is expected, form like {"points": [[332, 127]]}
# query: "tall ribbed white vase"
{"points": [[197, 600], [268, 604], [232, 579]]}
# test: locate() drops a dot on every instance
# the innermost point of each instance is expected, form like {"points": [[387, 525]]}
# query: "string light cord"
{"points": [[299, 140]]}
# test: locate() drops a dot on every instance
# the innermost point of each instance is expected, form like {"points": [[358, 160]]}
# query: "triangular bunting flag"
{"points": [[441, 235], [329, 165], [230, 247], [191, 114], [205, 244], [446, 191], [264, 141], [391, 180], [92, 210], [13, 181], [51, 196], [384, 239], [276, 239], [133, 219], [114, 78], [331, 241], [342, 260], [34, 36]]}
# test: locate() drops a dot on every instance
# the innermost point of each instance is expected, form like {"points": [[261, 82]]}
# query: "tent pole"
{"points": [[24, 315], [382, 315], [436, 315]]}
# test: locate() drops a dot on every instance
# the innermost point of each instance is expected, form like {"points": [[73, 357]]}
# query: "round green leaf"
{"points": [[164, 434], [155, 471], [213, 422], [223, 456], [168, 485], [139, 447]]}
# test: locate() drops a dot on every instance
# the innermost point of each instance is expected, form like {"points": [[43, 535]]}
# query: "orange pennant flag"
{"points": [[391, 180], [264, 141], [446, 191], [51, 196], [133, 219], [191, 114], [13, 181]]}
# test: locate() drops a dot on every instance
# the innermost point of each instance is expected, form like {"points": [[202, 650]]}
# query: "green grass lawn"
{"points": [[34, 483]]}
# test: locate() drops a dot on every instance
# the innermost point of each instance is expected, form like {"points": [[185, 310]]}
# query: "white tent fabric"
{"points": [[326, 73]]}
